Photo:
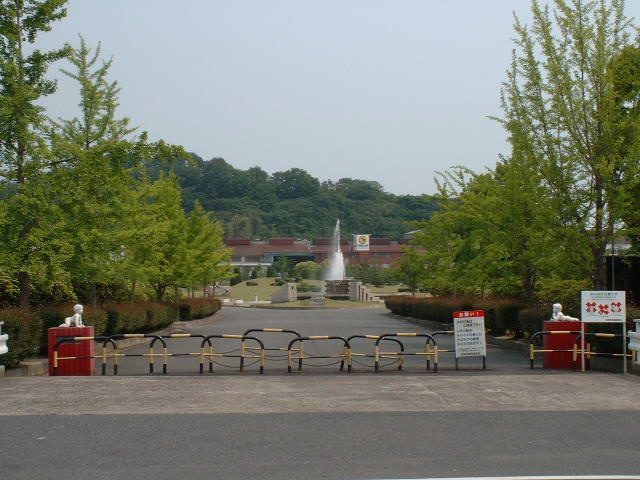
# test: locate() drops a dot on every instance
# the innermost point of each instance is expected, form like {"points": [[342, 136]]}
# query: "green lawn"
{"points": [[264, 290]]}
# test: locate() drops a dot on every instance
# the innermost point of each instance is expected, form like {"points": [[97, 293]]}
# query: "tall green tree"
{"points": [[561, 115], [95, 180], [23, 151]]}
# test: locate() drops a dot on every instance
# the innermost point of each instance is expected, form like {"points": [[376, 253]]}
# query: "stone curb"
{"points": [[39, 367]]}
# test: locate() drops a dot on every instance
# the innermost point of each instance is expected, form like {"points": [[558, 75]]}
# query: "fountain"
{"points": [[336, 261], [335, 284]]}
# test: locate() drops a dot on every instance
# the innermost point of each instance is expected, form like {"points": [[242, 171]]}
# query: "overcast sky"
{"points": [[389, 91]]}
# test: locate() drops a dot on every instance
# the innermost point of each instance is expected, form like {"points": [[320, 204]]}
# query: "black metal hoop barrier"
{"points": [[400, 358], [345, 355], [116, 355], [533, 350], [243, 346], [588, 353], [452, 332], [242, 355], [61, 340], [427, 353]]}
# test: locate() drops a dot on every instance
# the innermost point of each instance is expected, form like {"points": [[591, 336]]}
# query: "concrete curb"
{"points": [[39, 367]]}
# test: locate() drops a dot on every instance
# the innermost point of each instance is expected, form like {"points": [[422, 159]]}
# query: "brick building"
{"points": [[249, 254]]}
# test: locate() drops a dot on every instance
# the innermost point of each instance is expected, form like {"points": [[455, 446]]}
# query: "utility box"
{"points": [[85, 349], [560, 341]]}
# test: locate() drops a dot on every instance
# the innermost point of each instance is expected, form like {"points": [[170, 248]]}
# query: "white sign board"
{"points": [[469, 334], [361, 243], [603, 307]]}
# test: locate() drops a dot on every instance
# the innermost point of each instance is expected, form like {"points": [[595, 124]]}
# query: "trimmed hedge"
{"points": [[25, 330], [194, 308], [28, 329], [500, 314]]}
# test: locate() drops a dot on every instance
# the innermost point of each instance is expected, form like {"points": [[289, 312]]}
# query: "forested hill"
{"points": [[251, 203]]}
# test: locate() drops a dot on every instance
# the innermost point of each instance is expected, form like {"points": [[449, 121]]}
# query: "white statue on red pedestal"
{"points": [[558, 316], [74, 320]]}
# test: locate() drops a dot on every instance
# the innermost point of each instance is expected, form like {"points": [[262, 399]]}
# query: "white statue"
{"points": [[74, 320], [558, 316]]}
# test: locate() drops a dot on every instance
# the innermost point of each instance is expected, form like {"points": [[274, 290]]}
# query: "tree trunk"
{"points": [[25, 289], [93, 294], [133, 292]]}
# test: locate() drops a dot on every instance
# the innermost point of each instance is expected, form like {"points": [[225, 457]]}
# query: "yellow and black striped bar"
{"points": [[427, 353], [400, 358], [243, 346], [60, 340], [589, 353], [346, 351], [243, 354], [535, 336]]}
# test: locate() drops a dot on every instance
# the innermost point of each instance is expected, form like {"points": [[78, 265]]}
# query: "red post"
{"points": [[560, 341], [84, 348]]}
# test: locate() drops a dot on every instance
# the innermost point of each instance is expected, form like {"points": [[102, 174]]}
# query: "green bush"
{"points": [[184, 312], [200, 307], [500, 314], [25, 331], [532, 319], [138, 317], [309, 287]]}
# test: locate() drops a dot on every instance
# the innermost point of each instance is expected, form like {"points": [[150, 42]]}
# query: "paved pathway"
{"points": [[344, 323], [320, 423]]}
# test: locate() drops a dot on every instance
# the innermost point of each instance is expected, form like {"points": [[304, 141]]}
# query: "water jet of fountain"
{"points": [[336, 261]]}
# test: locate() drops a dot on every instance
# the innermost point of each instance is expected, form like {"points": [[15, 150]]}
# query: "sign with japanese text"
{"points": [[603, 307], [361, 243], [469, 334]]}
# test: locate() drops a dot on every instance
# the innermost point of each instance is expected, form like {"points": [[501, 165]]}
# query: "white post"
{"points": [[3, 341], [624, 347]]}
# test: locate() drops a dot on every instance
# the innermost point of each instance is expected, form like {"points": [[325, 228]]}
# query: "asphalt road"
{"points": [[342, 323], [320, 423]]}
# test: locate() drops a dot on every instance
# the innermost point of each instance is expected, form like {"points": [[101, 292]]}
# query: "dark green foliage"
{"points": [[184, 312], [532, 319], [236, 278], [501, 315], [195, 308], [24, 329], [308, 287], [138, 317], [254, 204]]}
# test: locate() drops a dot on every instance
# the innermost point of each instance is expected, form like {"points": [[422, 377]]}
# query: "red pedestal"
{"points": [[84, 348], [562, 360]]}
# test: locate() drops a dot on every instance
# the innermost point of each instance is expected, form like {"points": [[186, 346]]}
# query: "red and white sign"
{"points": [[469, 334], [603, 306]]}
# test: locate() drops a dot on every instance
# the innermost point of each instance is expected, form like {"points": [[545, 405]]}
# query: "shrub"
{"points": [[500, 314], [506, 315], [532, 320], [198, 308], [309, 287], [184, 312], [139, 317], [25, 330]]}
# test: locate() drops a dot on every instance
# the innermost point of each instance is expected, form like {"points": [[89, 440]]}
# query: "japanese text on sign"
{"points": [[603, 306], [469, 334]]}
